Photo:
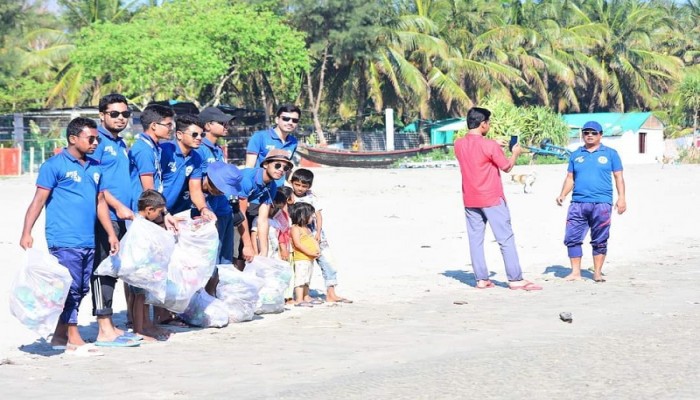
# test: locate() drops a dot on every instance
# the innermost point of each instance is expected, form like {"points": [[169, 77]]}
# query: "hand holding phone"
{"points": [[513, 142]]}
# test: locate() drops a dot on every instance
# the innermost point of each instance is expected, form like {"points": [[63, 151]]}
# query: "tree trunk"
{"points": [[361, 103]]}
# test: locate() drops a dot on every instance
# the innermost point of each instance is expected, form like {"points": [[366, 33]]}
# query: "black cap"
{"points": [[210, 114]]}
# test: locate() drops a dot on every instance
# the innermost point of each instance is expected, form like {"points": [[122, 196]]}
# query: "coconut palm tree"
{"points": [[636, 71]]}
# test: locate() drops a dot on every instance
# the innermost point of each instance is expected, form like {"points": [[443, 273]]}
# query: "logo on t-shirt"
{"points": [[603, 160], [74, 176], [188, 170], [96, 177], [110, 150], [579, 159], [173, 166]]}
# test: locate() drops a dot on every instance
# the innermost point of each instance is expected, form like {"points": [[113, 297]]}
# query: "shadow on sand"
{"points": [[468, 278], [560, 271]]}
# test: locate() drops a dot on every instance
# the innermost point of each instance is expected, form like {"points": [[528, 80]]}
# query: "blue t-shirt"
{"points": [[178, 169], [144, 158], [209, 153], [263, 141], [71, 208], [254, 189], [113, 157], [593, 174]]}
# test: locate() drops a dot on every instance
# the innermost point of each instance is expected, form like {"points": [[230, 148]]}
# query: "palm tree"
{"points": [[636, 72]]}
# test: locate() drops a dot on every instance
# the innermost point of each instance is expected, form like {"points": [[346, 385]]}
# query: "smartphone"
{"points": [[513, 142]]}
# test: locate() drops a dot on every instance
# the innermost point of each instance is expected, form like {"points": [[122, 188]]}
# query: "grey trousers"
{"points": [[498, 217]]}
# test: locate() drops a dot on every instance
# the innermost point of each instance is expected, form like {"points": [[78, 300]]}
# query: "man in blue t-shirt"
{"points": [[182, 169], [69, 186], [113, 157], [144, 155], [258, 189], [589, 175], [279, 137]]}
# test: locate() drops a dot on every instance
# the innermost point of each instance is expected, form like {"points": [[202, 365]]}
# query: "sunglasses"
{"points": [[195, 135], [116, 114], [593, 133], [287, 119], [91, 139], [278, 165]]}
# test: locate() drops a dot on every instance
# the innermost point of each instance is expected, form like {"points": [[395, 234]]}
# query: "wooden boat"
{"points": [[360, 159]]}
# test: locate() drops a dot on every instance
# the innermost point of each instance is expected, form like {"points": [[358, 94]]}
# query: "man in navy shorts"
{"points": [[590, 172], [70, 186]]}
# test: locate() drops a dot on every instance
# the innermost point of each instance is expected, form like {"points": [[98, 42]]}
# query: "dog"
{"points": [[527, 180], [667, 160]]}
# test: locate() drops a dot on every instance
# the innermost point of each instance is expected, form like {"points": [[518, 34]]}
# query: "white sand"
{"points": [[399, 238]]}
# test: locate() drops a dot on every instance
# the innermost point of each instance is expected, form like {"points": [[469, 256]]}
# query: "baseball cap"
{"points": [[277, 155], [226, 177], [210, 114], [592, 126]]}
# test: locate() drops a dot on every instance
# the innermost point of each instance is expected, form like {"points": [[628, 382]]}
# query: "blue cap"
{"points": [[592, 126], [226, 177]]}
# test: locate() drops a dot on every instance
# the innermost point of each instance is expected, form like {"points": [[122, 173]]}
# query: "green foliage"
{"points": [[192, 48], [531, 124]]}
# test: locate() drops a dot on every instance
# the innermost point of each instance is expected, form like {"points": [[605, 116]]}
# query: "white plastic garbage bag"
{"points": [[239, 291], [206, 311], [39, 292], [191, 264], [276, 274], [143, 258]]}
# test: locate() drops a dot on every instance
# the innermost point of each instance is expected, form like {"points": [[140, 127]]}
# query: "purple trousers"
{"points": [[498, 217], [582, 217], [79, 262]]}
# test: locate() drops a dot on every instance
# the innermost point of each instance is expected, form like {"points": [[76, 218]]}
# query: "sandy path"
{"points": [[400, 239]]}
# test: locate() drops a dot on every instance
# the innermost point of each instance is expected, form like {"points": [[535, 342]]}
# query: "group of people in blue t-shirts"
{"points": [[97, 184]]}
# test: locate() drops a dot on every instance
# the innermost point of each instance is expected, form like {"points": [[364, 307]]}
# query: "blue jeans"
{"points": [[79, 262], [498, 217], [325, 261]]}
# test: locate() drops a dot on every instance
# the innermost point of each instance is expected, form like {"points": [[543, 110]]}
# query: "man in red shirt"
{"points": [[480, 162]]}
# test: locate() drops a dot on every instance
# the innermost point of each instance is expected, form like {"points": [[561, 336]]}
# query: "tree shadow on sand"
{"points": [[468, 278], [560, 271]]}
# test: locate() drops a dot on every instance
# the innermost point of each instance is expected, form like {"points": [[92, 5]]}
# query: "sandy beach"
{"points": [[399, 239]]}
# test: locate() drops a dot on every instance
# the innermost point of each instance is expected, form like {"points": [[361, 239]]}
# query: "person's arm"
{"points": [[515, 153], [621, 203], [103, 217], [122, 211], [147, 182], [252, 151], [244, 231], [319, 225], [251, 160], [566, 187], [263, 227], [197, 197], [33, 211]]}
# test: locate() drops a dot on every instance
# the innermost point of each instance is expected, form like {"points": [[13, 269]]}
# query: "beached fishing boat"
{"points": [[360, 159]]}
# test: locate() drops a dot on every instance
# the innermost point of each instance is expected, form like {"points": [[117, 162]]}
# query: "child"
{"points": [[306, 250], [151, 206], [302, 179], [278, 225]]}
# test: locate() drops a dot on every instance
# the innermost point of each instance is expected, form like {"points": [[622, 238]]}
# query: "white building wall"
{"points": [[627, 145]]}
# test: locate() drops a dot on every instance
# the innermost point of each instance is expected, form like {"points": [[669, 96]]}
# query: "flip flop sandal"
{"points": [[304, 304], [119, 341], [344, 300], [86, 350], [174, 321], [526, 287], [315, 301]]}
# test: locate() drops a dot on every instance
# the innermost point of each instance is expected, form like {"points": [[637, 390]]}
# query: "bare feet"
{"points": [[573, 277], [484, 284]]}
